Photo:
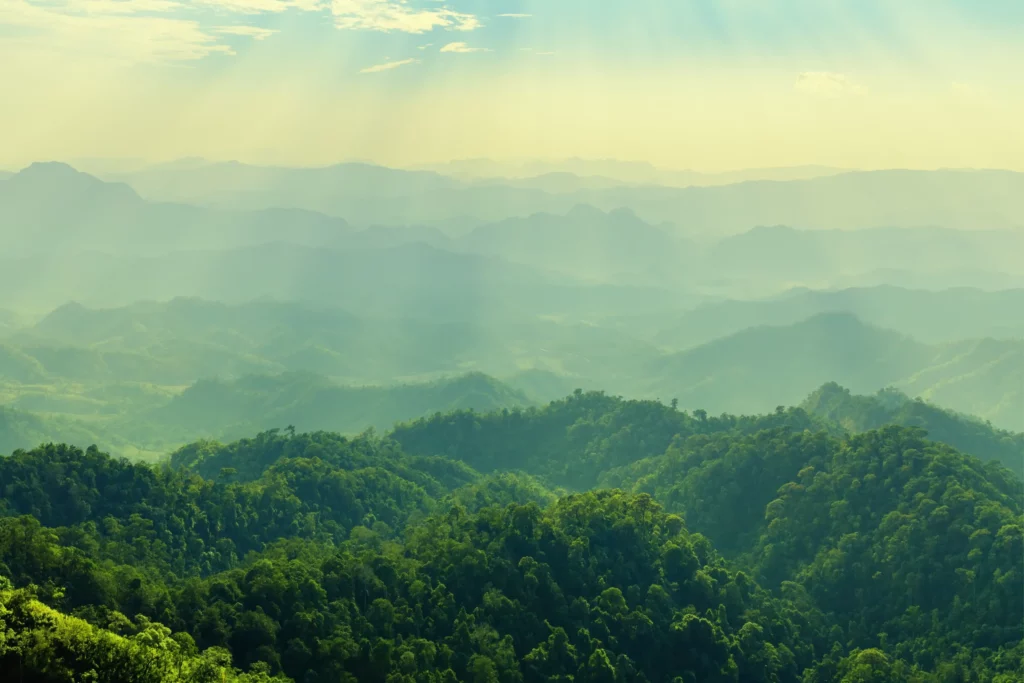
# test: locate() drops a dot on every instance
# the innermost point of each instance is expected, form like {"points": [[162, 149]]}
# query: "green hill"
{"points": [[891, 406], [318, 557], [231, 408], [763, 367]]}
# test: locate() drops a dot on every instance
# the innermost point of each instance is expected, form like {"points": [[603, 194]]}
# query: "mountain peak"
{"points": [[52, 169], [59, 177]]}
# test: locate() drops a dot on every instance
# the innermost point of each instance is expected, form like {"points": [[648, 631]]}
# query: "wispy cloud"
{"points": [[129, 31], [260, 6], [388, 66], [398, 16], [182, 30], [513, 15], [112, 6], [254, 32], [462, 48], [828, 84]]}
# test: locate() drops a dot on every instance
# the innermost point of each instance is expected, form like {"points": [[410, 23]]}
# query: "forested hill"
{"points": [[891, 406], [767, 549]]}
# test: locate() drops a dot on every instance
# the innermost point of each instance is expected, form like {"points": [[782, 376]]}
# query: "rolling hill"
{"points": [[924, 315], [859, 413], [228, 409], [588, 243], [763, 367]]}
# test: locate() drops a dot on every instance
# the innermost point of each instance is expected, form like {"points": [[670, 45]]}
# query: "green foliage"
{"points": [[890, 406], [807, 555], [40, 645], [572, 441]]}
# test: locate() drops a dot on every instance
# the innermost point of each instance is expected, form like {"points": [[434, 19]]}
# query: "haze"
{"points": [[699, 84], [512, 341]]}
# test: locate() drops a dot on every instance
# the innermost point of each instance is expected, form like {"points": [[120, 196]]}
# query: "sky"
{"points": [[688, 84]]}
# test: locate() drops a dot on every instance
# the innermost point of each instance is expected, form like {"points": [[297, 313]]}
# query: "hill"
{"points": [[762, 367], [924, 315], [814, 258], [586, 242], [983, 378], [422, 282], [230, 409], [373, 559], [330, 341], [19, 429], [890, 406]]}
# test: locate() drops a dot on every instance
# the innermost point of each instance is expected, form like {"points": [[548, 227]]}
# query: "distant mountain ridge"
{"points": [[311, 403], [52, 206], [365, 195], [924, 315]]}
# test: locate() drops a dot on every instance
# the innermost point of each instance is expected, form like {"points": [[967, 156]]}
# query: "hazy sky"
{"points": [[705, 84]]}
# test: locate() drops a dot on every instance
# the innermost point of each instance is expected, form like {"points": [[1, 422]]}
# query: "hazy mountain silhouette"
{"points": [[51, 205], [762, 367], [924, 315], [366, 194], [586, 242]]}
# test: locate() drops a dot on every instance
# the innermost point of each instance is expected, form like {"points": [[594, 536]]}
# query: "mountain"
{"points": [[934, 317], [413, 280], [326, 341], [229, 409], [594, 171], [52, 205], [983, 378], [781, 255], [386, 236], [238, 183], [23, 430], [367, 195], [859, 413], [554, 182], [587, 243], [10, 321], [763, 367], [443, 552]]}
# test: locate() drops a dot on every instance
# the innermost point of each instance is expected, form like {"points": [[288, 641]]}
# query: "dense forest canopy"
{"points": [[595, 538]]}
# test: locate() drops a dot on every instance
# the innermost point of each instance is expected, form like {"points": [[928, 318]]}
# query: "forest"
{"points": [[854, 539], [511, 341]]}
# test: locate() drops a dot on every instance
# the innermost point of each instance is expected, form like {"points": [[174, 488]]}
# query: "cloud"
{"points": [[262, 6], [127, 31], [398, 15], [387, 66], [462, 48], [424, 47], [254, 32], [828, 84], [512, 15], [141, 31], [111, 6]]}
